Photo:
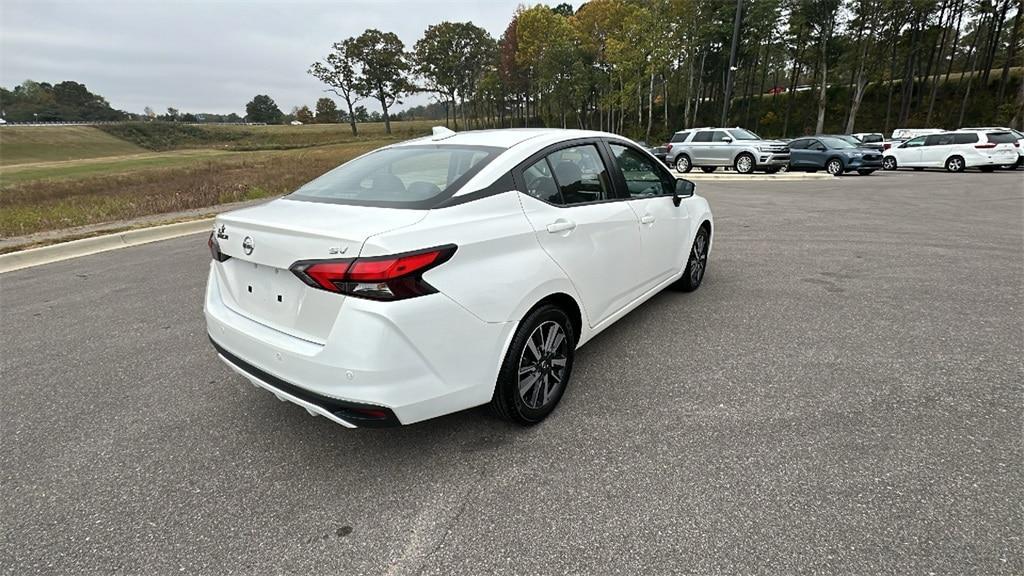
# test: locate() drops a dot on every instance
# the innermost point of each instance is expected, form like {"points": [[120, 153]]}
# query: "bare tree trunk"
{"points": [[650, 107], [956, 39], [967, 92], [1011, 55], [823, 96], [938, 65]]}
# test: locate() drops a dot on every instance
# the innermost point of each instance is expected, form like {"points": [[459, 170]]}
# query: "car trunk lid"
{"points": [[264, 241]]}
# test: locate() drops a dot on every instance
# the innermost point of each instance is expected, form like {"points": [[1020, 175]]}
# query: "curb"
{"points": [[86, 246], [778, 177]]}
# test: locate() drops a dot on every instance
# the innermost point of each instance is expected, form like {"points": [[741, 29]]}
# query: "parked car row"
{"points": [[865, 152]]}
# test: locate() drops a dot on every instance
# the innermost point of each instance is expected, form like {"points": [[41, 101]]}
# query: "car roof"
{"points": [[506, 137]]}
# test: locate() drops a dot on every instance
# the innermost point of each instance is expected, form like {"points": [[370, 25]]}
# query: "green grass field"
{"points": [[57, 177], [22, 144]]}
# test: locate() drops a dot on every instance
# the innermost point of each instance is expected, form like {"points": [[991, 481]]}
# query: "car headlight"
{"points": [[856, 154], [764, 148]]}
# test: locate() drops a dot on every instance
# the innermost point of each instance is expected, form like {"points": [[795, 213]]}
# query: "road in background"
{"points": [[843, 395]]}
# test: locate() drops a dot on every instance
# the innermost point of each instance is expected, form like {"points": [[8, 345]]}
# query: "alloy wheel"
{"points": [[835, 167], [698, 258], [542, 365], [744, 164], [682, 164], [889, 163], [954, 164]]}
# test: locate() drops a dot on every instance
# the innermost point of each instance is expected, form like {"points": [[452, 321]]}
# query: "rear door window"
{"points": [[1001, 137], [939, 140], [965, 138], [702, 136], [799, 144]]}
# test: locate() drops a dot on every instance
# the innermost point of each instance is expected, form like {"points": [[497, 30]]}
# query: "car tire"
{"points": [[835, 167], [529, 348], [744, 164], [889, 163], [954, 164], [865, 172], [683, 163], [696, 263], [987, 168], [707, 169]]}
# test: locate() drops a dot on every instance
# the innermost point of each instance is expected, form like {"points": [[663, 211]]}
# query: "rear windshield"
{"points": [[401, 177], [1001, 137], [871, 138]]}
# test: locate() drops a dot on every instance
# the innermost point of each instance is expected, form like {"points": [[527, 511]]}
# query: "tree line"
{"points": [[646, 68]]}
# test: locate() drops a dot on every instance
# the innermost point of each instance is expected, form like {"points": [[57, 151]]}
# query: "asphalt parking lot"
{"points": [[843, 395]]}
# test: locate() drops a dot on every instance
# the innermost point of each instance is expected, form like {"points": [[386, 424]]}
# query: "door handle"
{"points": [[561, 225], [647, 219]]}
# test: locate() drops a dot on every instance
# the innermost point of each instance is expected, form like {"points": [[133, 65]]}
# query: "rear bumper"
{"points": [[982, 158], [409, 360]]}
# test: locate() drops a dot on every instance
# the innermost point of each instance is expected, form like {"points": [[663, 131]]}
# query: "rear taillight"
{"points": [[376, 278], [986, 145], [887, 145], [215, 249]]}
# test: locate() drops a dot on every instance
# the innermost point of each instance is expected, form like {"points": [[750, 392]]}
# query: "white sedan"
{"points": [[449, 272]]}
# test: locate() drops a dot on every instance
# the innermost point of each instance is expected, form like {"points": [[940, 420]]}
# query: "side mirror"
{"points": [[684, 189]]}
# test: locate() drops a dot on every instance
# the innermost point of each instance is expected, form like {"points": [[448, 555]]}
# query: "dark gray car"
{"points": [[833, 154]]}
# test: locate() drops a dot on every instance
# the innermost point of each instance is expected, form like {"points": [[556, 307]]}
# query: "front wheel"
{"points": [[865, 172], [834, 167], [696, 263], [536, 368], [744, 163], [955, 164], [888, 163], [683, 164]]}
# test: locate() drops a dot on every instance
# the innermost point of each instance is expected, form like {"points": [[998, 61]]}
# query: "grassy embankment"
{"points": [[59, 177]]}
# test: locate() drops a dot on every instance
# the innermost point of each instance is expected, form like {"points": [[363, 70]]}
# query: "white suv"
{"points": [[448, 272], [954, 151]]}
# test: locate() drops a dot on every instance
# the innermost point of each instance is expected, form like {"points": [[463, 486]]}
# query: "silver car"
{"points": [[711, 148]]}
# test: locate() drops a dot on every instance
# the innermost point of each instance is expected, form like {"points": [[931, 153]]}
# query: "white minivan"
{"points": [[954, 151]]}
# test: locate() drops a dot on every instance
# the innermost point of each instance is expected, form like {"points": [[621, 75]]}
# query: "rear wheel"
{"points": [[955, 164], [744, 163], [707, 169], [835, 167], [696, 263], [536, 368], [683, 164], [865, 171], [888, 163]]}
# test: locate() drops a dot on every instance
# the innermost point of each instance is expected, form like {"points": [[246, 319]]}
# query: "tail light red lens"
{"points": [[377, 278], [215, 249]]}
